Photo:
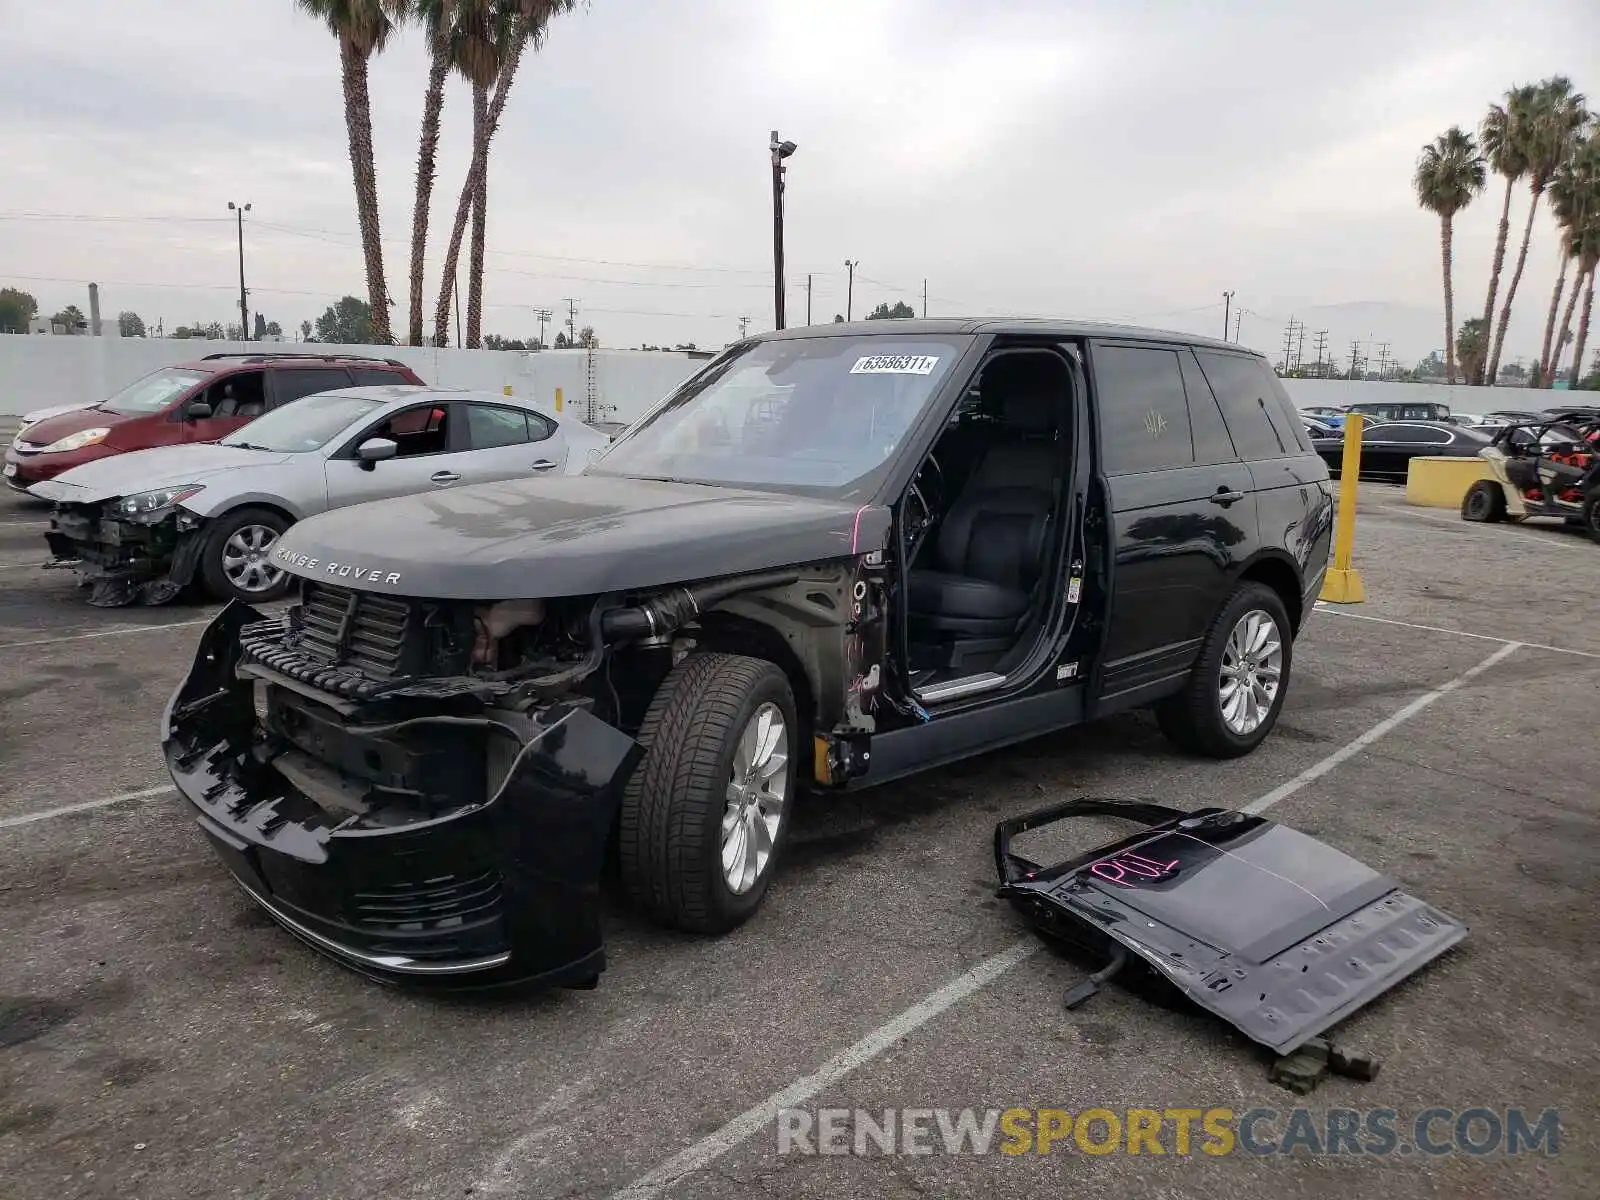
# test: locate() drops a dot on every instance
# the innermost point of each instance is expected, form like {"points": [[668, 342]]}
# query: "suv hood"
{"points": [[570, 536], [145, 470]]}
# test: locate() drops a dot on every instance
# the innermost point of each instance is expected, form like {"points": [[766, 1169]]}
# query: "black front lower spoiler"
{"points": [[117, 576], [498, 890], [1275, 932]]}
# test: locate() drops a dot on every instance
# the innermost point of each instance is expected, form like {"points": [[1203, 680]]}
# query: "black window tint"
{"points": [[489, 425], [1211, 441], [377, 377], [290, 385], [540, 428], [1286, 417], [1240, 385], [1144, 418], [1394, 433]]}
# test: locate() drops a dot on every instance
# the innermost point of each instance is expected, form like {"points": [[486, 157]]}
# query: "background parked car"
{"points": [[192, 402], [1400, 410], [142, 526], [1388, 447], [1317, 427], [55, 410]]}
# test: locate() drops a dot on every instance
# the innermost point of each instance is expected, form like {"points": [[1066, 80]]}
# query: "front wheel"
{"points": [[236, 560], [705, 814], [1236, 689], [1485, 501]]}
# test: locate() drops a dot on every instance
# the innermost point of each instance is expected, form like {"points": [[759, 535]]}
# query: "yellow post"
{"points": [[1342, 585], [558, 399], [507, 389]]}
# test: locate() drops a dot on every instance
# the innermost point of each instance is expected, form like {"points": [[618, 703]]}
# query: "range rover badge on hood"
{"points": [[305, 562]]}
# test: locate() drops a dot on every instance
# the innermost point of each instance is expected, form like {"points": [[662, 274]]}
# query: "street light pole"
{"points": [[850, 265], [780, 151], [1227, 308], [244, 311]]}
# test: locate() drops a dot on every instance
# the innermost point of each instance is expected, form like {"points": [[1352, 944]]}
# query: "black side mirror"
{"points": [[196, 411]]}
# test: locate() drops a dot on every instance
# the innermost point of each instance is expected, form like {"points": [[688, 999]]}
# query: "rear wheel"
{"points": [[1237, 687], [1591, 514], [1485, 501], [236, 560], [705, 814]]}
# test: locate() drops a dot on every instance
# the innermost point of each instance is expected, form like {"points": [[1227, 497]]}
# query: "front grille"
{"points": [[355, 629], [432, 905]]}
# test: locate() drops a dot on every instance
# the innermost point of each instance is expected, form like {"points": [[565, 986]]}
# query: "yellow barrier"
{"points": [[1442, 482], [1342, 584], [558, 399]]}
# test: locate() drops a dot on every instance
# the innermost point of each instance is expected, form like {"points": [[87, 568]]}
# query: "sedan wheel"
{"points": [[246, 560]]}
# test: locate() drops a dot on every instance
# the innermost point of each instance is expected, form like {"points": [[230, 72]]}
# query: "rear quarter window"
{"points": [[1144, 416], [377, 376], [1258, 412]]}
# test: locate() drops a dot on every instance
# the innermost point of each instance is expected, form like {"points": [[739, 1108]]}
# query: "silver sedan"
{"points": [[142, 526]]}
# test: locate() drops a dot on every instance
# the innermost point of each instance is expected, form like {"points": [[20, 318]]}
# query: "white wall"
{"points": [[1312, 393], [36, 372]]}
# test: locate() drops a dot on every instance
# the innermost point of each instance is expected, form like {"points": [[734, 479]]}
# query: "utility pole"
{"points": [[924, 299], [850, 265], [244, 309], [1300, 347], [1322, 345], [1383, 360], [1355, 358], [1238, 320], [744, 324], [780, 151], [572, 320], [1288, 346], [1227, 309], [543, 315], [808, 297]]}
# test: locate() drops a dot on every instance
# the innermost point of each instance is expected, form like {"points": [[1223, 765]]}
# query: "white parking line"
{"points": [[104, 633], [706, 1151], [1333, 611], [68, 809]]}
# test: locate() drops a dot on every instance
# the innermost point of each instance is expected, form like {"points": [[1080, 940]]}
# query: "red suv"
{"points": [[191, 402]]}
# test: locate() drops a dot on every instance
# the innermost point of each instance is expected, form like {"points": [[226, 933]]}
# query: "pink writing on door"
{"points": [[1127, 868]]}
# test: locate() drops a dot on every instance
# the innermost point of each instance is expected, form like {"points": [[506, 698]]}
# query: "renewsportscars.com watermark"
{"points": [[1371, 1132]]}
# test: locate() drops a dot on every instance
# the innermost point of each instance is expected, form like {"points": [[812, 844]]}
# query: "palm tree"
{"points": [[362, 28], [1504, 138], [1554, 116], [1573, 194], [502, 30], [1450, 172], [438, 18]]}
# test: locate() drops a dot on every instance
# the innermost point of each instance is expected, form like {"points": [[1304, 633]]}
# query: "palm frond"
{"points": [[1450, 172]]}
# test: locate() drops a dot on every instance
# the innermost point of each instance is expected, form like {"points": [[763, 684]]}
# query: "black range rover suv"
{"points": [[834, 556]]}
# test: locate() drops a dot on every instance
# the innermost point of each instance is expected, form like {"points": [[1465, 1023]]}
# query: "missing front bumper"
{"points": [[491, 890], [124, 562]]}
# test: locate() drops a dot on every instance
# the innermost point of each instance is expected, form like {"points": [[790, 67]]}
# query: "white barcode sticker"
{"points": [[895, 364]]}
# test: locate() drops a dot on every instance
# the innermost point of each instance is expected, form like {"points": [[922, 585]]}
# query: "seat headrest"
{"points": [[1025, 391]]}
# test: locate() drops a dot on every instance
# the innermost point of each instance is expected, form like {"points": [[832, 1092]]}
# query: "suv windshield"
{"points": [[307, 424], [810, 414], [153, 392]]}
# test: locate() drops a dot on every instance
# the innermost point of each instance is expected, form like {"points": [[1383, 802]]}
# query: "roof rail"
{"points": [[253, 357]]}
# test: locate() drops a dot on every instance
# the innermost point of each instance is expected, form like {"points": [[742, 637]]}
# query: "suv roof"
{"points": [[1051, 327], [257, 358]]}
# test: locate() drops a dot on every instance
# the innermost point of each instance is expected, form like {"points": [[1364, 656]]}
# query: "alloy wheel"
{"points": [[757, 797], [1252, 671], [246, 561]]}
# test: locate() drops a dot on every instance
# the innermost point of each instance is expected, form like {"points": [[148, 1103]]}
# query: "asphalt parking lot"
{"points": [[159, 1037]]}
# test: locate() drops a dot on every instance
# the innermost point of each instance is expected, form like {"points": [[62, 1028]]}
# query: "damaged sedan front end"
{"points": [[143, 548]]}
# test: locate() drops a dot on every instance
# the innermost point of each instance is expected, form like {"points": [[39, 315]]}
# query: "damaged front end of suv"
{"points": [[427, 788]]}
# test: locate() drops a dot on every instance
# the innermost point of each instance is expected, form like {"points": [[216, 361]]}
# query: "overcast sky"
{"points": [[1109, 161]]}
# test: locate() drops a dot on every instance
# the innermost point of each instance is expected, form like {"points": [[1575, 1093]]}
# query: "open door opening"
{"points": [[982, 527]]}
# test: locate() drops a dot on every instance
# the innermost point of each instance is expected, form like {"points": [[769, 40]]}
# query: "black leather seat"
{"points": [[992, 543]]}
